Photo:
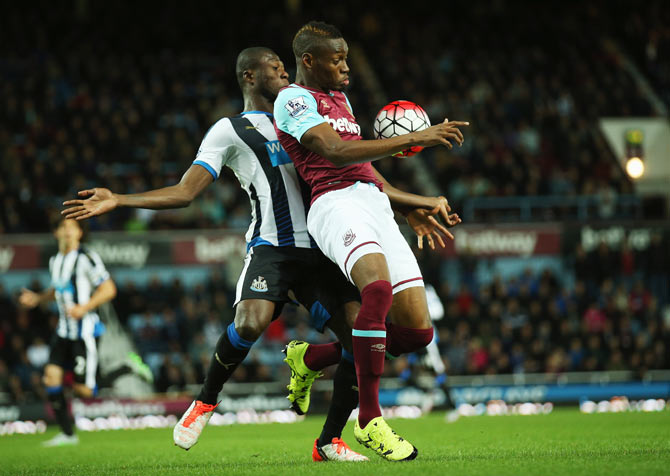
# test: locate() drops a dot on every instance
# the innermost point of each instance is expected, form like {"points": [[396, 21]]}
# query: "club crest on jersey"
{"points": [[324, 104], [259, 285], [349, 237], [296, 106]]}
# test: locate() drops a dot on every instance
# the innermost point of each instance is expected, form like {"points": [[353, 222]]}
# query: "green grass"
{"points": [[562, 443]]}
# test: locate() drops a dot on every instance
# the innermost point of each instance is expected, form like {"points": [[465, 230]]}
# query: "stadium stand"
{"points": [[532, 323], [123, 112], [116, 111]]}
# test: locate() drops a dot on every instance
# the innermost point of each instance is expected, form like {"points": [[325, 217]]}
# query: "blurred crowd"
{"points": [[614, 317], [84, 104], [533, 94], [647, 39]]}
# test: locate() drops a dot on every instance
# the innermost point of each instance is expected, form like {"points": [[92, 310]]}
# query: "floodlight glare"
{"points": [[635, 167]]}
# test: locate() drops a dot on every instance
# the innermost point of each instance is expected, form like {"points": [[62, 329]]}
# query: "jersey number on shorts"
{"points": [[80, 365]]}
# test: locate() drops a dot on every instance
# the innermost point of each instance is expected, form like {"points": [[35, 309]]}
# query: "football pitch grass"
{"points": [[564, 442]]}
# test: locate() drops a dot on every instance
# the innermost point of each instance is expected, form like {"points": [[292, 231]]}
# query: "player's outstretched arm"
{"points": [[31, 299], [102, 294], [404, 202], [323, 140], [420, 212], [102, 200]]}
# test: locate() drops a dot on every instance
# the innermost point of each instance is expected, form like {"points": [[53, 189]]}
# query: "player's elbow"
{"points": [[334, 150], [184, 196], [336, 155], [185, 202]]}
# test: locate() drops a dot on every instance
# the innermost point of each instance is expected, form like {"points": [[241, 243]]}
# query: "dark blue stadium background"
{"points": [[119, 94]]}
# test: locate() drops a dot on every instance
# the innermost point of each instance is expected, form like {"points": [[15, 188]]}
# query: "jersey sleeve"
{"points": [[296, 112], [95, 269], [215, 148]]}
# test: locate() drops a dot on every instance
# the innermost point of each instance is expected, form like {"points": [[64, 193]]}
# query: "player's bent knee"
{"points": [[376, 299], [52, 382], [369, 269], [403, 340], [53, 376], [249, 329], [252, 320]]}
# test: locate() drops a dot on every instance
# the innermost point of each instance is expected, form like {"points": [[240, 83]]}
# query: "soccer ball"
{"points": [[398, 118]]}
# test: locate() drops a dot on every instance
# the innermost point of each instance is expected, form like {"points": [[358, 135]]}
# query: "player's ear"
{"points": [[307, 60], [248, 76]]}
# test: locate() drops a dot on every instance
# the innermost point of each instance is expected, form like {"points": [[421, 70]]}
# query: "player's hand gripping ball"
{"points": [[398, 118]]}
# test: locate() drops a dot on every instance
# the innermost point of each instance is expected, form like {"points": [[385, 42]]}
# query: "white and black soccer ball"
{"points": [[398, 118]]}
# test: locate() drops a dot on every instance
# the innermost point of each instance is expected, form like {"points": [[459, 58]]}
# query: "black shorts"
{"points": [[317, 283], [80, 356]]}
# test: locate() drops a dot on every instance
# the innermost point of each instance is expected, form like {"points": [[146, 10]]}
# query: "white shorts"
{"points": [[352, 222]]}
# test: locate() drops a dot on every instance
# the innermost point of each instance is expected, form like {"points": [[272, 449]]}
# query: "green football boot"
{"points": [[302, 378], [381, 439]]}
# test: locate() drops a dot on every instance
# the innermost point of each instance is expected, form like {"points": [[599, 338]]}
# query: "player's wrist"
{"points": [[119, 200], [415, 139], [397, 145]]}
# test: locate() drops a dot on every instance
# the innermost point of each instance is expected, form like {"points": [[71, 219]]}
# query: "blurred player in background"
{"points": [[281, 257], [432, 358], [351, 219], [79, 284]]}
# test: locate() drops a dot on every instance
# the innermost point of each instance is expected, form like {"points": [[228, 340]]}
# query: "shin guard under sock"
{"points": [[231, 350], [369, 343]]}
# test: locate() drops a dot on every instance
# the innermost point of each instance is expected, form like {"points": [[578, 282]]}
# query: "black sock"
{"points": [[225, 360], [345, 399], [59, 406], [107, 380]]}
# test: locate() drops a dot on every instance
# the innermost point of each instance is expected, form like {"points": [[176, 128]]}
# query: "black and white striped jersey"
{"points": [[74, 277], [248, 145]]}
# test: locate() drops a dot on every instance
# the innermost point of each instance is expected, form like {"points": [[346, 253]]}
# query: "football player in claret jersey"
{"points": [[281, 256], [79, 284], [351, 219]]}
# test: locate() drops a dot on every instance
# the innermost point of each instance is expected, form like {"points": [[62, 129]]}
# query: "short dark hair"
{"points": [[249, 58], [83, 226], [312, 36]]}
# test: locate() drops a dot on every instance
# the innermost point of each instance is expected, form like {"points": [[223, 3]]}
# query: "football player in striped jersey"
{"points": [[79, 284], [281, 255]]}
